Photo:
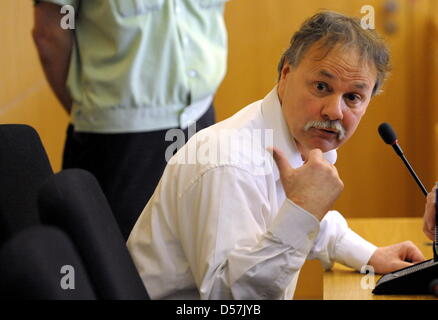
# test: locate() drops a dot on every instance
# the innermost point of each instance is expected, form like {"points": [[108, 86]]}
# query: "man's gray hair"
{"points": [[333, 28]]}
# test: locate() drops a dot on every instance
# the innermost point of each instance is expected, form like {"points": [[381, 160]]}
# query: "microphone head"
{"points": [[387, 133]]}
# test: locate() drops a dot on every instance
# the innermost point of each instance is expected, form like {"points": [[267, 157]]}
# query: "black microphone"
{"points": [[421, 277], [388, 135]]}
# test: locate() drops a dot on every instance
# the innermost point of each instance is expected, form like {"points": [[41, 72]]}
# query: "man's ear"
{"points": [[285, 72]]}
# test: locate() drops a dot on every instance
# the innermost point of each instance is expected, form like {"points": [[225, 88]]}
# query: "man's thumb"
{"points": [[281, 161], [314, 154]]}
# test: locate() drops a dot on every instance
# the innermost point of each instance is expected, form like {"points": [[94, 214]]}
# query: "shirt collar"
{"points": [[273, 117]]}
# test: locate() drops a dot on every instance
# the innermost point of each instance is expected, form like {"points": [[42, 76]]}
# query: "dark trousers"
{"points": [[128, 166]]}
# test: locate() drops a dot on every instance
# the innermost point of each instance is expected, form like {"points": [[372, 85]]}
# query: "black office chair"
{"points": [[24, 166], [41, 262], [73, 201]]}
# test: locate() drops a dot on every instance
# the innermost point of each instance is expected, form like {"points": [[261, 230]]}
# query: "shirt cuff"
{"points": [[296, 227], [353, 250]]}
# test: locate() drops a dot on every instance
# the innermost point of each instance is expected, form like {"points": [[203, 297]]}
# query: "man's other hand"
{"points": [[395, 257], [429, 215]]}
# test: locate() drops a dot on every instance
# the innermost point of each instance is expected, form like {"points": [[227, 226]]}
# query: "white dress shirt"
{"points": [[223, 229]]}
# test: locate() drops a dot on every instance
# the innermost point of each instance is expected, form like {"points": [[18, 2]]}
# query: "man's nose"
{"points": [[332, 109]]}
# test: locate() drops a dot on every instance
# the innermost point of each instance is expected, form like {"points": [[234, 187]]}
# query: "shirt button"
{"points": [[185, 40], [177, 9], [312, 235], [193, 73]]}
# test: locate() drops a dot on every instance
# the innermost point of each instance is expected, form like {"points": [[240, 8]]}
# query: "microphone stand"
{"points": [[399, 152]]}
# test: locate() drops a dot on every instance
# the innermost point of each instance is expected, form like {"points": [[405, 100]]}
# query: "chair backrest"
{"points": [[41, 262], [73, 201], [24, 166]]}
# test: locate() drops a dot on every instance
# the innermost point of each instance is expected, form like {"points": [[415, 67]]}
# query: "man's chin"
{"points": [[324, 145]]}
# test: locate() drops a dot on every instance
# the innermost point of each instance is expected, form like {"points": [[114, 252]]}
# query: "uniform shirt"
{"points": [[143, 65], [224, 229]]}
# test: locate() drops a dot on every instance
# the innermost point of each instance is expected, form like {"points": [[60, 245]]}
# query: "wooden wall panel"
{"points": [[433, 85], [422, 87], [39, 108], [24, 93]]}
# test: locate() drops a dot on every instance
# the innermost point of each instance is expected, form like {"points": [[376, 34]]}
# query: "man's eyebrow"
{"points": [[361, 85], [329, 75], [326, 74]]}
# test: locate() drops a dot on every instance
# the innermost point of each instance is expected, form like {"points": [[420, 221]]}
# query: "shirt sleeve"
{"points": [[337, 242], [236, 247]]}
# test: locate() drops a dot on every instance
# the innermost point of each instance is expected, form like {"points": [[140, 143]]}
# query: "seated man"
{"points": [[230, 226]]}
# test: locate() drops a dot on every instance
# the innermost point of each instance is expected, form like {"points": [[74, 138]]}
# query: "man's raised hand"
{"points": [[314, 186]]}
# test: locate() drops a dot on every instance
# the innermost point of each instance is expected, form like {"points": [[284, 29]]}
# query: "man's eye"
{"points": [[321, 86], [352, 97]]}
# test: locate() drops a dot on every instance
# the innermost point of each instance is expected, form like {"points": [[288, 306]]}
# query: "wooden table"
{"points": [[342, 283]]}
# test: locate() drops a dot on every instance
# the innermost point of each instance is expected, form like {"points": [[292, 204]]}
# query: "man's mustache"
{"points": [[334, 125]]}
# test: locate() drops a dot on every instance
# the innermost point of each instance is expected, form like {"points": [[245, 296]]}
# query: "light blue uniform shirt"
{"points": [[144, 65]]}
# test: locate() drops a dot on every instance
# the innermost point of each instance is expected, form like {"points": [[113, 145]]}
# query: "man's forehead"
{"points": [[340, 63], [319, 51]]}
